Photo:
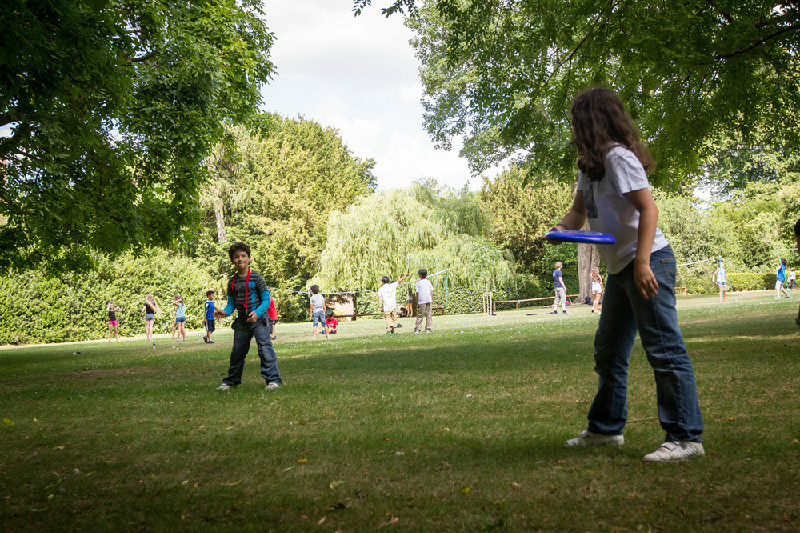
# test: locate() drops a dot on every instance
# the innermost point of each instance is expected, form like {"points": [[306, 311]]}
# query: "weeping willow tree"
{"points": [[391, 233]]}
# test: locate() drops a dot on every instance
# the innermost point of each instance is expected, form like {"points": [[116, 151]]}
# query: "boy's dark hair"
{"points": [[422, 273], [385, 279], [783, 262], [315, 289], [329, 313], [797, 228], [209, 293], [236, 247]]}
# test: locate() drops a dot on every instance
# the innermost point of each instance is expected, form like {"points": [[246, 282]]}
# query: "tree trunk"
{"points": [[220, 216], [588, 258]]}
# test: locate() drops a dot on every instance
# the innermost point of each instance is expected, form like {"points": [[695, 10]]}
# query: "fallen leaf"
{"points": [[322, 520], [303, 460], [232, 484], [465, 490], [7, 422], [335, 484]]}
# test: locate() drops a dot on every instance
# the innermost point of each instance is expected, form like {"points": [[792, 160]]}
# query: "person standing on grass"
{"points": [[797, 238], [248, 295], [208, 317], [791, 279], [560, 289], [614, 194], [317, 308], [272, 313], [180, 317], [387, 301], [780, 274], [720, 277], [149, 311], [597, 289], [112, 309], [424, 302]]}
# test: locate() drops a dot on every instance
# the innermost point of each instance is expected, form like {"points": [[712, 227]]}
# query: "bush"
{"points": [[752, 281], [72, 307]]}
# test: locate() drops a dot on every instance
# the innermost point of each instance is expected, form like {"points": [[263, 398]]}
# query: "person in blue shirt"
{"points": [[248, 295], [208, 317], [780, 273]]}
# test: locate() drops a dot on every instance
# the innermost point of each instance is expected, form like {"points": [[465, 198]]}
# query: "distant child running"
{"points": [[149, 311], [424, 302], [248, 295], [780, 274], [387, 301], [317, 308], [720, 277], [112, 320], [208, 317], [180, 316], [597, 289], [614, 194], [560, 289], [331, 323]]}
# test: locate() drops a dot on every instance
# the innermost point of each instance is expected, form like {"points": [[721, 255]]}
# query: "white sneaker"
{"points": [[675, 451], [587, 438], [224, 386], [272, 385]]}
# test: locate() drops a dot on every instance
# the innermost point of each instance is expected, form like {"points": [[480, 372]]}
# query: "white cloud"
{"points": [[359, 76]]}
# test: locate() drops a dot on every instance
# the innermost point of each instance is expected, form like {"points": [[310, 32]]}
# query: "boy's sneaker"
{"points": [[427, 331], [675, 451], [224, 386], [154, 346], [272, 385], [209, 341], [564, 312], [554, 313], [587, 438], [205, 340], [416, 332]]}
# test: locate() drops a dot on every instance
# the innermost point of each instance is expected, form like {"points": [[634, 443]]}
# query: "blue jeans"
{"points": [[243, 332], [656, 319]]}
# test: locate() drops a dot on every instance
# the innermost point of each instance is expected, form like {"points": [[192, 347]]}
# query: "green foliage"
{"points": [[751, 281], [524, 205], [503, 74], [112, 108], [275, 192], [72, 307], [391, 233]]}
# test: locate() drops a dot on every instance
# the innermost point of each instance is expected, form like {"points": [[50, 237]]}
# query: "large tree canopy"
{"points": [[110, 108], [502, 73]]}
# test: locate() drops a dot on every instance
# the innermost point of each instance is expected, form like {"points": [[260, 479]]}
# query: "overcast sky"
{"points": [[359, 76]]}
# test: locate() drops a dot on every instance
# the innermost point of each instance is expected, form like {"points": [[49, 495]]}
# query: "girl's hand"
{"points": [[645, 280]]}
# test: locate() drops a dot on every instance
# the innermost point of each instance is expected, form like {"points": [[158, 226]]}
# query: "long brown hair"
{"points": [[599, 119]]}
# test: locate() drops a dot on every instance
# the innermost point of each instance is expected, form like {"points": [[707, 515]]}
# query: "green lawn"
{"points": [[459, 430]]}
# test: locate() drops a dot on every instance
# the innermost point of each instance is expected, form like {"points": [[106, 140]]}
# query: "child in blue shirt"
{"points": [[249, 297], [208, 317]]}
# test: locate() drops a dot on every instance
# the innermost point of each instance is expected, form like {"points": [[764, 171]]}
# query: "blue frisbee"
{"points": [[584, 236]]}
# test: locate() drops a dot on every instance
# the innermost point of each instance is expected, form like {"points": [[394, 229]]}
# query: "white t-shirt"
{"points": [[317, 301], [388, 295], [608, 211], [424, 290]]}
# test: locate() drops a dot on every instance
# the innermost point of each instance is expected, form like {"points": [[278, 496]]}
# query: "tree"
{"points": [[275, 192], [111, 107], [503, 74], [390, 233], [524, 205]]}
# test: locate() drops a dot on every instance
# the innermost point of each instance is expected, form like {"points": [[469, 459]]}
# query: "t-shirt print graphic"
{"points": [[588, 200]]}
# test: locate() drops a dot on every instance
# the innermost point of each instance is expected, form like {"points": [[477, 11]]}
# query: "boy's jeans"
{"points": [[625, 311], [243, 332]]}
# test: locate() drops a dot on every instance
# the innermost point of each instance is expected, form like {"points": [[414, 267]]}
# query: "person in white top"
{"points": [[387, 301], [424, 302]]}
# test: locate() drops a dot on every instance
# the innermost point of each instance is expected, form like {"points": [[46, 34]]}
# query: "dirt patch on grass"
{"points": [[99, 374]]}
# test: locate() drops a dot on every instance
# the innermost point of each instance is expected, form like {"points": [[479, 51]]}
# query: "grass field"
{"points": [[459, 430]]}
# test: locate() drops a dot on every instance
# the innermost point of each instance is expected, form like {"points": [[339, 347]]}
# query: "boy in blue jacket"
{"points": [[249, 297]]}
